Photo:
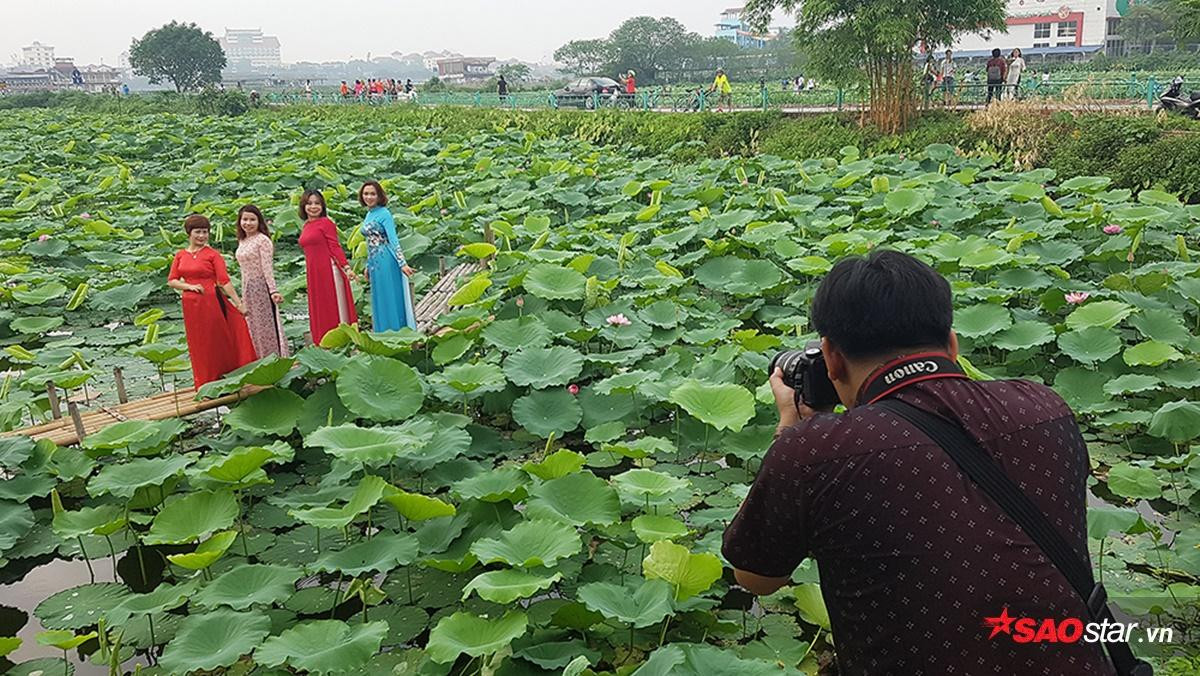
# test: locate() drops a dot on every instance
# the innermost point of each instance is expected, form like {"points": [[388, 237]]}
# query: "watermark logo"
{"points": [[1070, 630]]}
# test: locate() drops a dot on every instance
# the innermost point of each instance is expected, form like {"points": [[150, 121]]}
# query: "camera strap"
{"points": [[975, 462], [904, 371]]}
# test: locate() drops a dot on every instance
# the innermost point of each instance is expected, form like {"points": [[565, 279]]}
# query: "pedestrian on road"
{"points": [[502, 88], [948, 77], [723, 90]]}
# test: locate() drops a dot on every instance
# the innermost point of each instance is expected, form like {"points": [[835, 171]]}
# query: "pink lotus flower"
{"points": [[43, 238], [573, 388], [1113, 229], [935, 222], [1076, 297], [520, 301], [618, 320], [85, 215]]}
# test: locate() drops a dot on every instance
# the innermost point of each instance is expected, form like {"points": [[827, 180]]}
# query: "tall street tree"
{"points": [[873, 41], [584, 57], [181, 53]]}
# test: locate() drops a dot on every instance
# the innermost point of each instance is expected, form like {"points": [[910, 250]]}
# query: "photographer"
{"points": [[913, 553]]}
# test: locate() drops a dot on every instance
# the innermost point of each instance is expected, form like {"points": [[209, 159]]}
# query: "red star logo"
{"points": [[1003, 623]]}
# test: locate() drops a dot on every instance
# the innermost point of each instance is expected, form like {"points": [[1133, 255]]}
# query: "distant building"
{"points": [[37, 56], [465, 68], [250, 50], [430, 59], [734, 28], [1054, 29], [63, 74]]}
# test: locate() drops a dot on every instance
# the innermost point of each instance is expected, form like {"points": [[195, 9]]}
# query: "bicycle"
{"points": [[690, 101]]}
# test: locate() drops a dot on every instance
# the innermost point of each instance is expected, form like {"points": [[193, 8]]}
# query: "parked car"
{"points": [[583, 92]]}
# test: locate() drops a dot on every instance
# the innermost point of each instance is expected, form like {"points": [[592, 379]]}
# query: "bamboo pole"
{"points": [[73, 409], [52, 393], [119, 377]]}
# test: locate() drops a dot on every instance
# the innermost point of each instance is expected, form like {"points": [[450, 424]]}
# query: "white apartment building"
{"points": [[249, 49], [37, 56], [1053, 28]]}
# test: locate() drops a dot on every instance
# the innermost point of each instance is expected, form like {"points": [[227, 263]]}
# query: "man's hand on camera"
{"points": [[785, 401]]}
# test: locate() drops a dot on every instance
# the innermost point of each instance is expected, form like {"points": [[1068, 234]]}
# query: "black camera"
{"points": [[804, 371]]}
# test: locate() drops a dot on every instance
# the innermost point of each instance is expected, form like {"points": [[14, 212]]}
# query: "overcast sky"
{"points": [[92, 31]]}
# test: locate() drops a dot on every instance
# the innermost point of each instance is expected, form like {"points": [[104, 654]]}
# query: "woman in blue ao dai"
{"points": [[387, 271]]}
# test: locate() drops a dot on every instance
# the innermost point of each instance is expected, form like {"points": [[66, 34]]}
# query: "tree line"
{"points": [[662, 50]]}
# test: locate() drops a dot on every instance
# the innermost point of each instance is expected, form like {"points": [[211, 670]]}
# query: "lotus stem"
{"points": [[408, 574], [142, 565], [113, 553], [150, 619], [241, 524], [667, 622], [91, 573]]}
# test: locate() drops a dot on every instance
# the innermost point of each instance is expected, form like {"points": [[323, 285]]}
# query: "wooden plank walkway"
{"points": [[64, 431]]}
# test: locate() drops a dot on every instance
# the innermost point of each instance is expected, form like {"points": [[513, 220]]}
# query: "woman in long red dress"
{"points": [[327, 271], [217, 338]]}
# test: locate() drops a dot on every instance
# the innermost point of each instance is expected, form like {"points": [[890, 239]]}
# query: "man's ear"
{"points": [[952, 345], [835, 361]]}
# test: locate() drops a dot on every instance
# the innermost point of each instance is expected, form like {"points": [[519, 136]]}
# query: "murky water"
{"points": [[40, 583]]}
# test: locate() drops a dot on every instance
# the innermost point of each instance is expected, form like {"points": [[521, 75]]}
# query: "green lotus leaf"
{"points": [[507, 483], [651, 528], [981, 320], [739, 276], [100, 520], [904, 202], [323, 646], [273, 411], [371, 446], [369, 491], [1151, 353], [554, 282], [136, 436], [123, 297], [123, 479], [35, 325], [14, 451], [688, 574], [572, 654], [206, 553], [469, 379], [640, 603], [187, 518], [558, 464], [546, 412], [510, 335], [471, 291], [213, 640], [464, 633], [1104, 313], [506, 586], [248, 585], [529, 544], [63, 640], [240, 468], [1024, 335], [266, 371], [1132, 383], [16, 519], [163, 598], [642, 482], [42, 666], [579, 499], [379, 554], [9, 645], [39, 295], [1176, 421], [1133, 482], [1103, 521], [78, 607], [1090, 345], [417, 507], [380, 389], [811, 605], [724, 406], [541, 367]]}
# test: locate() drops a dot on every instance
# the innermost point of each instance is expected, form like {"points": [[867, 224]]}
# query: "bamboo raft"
{"points": [[77, 424]]}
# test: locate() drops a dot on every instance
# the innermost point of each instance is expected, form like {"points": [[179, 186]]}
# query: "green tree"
{"points": [[1148, 24], [515, 72], [182, 53], [1186, 20], [583, 57], [873, 41], [648, 46]]}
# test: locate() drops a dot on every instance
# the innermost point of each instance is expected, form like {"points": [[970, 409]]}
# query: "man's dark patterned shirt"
{"points": [[912, 554]]}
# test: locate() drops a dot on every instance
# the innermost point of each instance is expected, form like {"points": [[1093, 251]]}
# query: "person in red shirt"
{"points": [[630, 83], [997, 70]]}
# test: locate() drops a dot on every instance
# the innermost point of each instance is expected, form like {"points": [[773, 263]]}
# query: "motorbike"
{"points": [[1174, 100]]}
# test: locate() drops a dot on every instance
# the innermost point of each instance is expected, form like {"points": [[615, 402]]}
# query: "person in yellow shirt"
{"points": [[723, 90]]}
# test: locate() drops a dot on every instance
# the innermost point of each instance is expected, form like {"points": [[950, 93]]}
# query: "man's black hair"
{"points": [[995, 52], [888, 301]]}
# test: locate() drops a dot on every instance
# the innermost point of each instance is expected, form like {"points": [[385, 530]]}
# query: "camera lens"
{"points": [[788, 361]]}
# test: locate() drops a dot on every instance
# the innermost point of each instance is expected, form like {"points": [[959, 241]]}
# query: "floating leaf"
{"points": [[380, 389], [213, 640], [464, 633], [579, 499], [187, 518]]}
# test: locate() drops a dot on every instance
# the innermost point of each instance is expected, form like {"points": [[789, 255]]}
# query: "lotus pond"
{"points": [[542, 486]]}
